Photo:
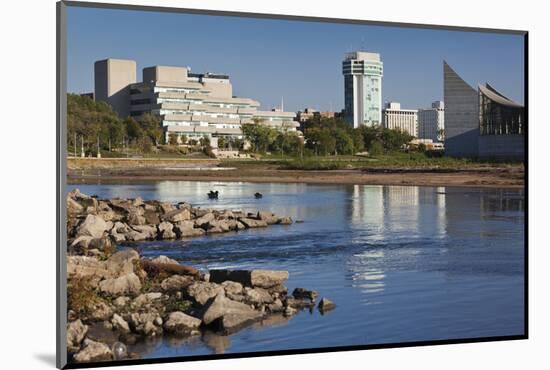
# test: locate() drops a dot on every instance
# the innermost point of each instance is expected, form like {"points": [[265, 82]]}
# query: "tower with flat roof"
{"points": [[363, 73], [112, 79]]}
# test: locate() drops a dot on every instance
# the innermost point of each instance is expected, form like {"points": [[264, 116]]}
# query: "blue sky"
{"points": [[267, 59]]}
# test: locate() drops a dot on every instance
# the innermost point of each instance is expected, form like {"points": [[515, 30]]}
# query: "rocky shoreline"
{"points": [[130, 298]]}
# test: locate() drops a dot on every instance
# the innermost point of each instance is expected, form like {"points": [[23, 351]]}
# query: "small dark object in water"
{"points": [[213, 194], [258, 195], [299, 221]]}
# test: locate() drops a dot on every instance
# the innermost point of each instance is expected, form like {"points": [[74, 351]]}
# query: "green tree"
{"points": [[133, 129], [376, 148], [173, 138], [152, 127]]}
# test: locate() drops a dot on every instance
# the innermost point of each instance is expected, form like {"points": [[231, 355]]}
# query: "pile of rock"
{"points": [[134, 297], [96, 224]]}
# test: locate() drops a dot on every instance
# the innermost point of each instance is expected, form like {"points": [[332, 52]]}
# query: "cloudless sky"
{"points": [[301, 61]]}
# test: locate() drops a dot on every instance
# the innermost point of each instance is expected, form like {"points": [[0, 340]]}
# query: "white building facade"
{"points": [[189, 104], [405, 120], [431, 122], [363, 72]]}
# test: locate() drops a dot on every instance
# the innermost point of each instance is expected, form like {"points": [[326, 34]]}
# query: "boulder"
{"points": [[136, 236], [268, 217], [252, 278], [93, 226], [326, 305], [150, 231], [232, 287], [86, 267], [284, 221], [122, 302], [165, 230], [176, 283], [268, 278], [227, 316], [252, 223], [164, 260], [151, 217], [301, 293], [73, 207], [180, 323], [126, 284], [217, 226], [120, 324], [187, 229], [166, 207], [201, 291], [93, 352], [177, 215], [257, 296], [147, 323], [146, 298], [204, 220], [76, 332], [100, 311], [122, 262], [276, 307]]}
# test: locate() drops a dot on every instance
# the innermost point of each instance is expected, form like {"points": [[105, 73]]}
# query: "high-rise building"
{"points": [[189, 104], [405, 120], [431, 122], [363, 73]]}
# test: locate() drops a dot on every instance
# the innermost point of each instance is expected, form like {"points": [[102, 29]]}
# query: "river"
{"points": [[402, 264]]}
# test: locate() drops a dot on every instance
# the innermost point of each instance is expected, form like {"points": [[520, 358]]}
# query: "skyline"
{"points": [[298, 60]]}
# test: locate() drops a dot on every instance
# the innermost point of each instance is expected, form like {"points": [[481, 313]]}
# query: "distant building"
{"points": [[306, 114], [363, 73], [310, 113], [191, 104], [481, 123], [431, 122], [89, 95], [396, 118]]}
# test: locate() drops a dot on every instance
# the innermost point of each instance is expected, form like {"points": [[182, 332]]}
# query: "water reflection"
{"points": [[401, 263]]}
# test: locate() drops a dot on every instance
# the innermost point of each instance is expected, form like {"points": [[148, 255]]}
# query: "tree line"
{"points": [[325, 136], [91, 124]]}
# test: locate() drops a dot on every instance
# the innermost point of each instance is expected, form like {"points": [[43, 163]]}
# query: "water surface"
{"points": [[401, 263]]}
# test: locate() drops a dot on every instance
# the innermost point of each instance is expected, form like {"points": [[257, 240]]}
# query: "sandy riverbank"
{"points": [[513, 178]]}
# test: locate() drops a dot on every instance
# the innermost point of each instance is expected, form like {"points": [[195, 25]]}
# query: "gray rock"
{"points": [[252, 223], [180, 323], [165, 230], [120, 324], [284, 221], [101, 311], [76, 332], [257, 296], [122, 302], [146, 298], [126, 284], [204, 220], [228, 316], [176, 283], [165, 260], [232, 287], [268, 278], [147, 323], [93, 226], [177, 215], [166, 207], [268, 217], [93, 352], [122, 262], [151, 217], [150, 231], [326, 305], [201, 291]]}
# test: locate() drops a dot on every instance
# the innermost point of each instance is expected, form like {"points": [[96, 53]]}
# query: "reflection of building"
{"points": [[405, 120], [190, 104], [431, 122], [481, 123], [363, 88]]}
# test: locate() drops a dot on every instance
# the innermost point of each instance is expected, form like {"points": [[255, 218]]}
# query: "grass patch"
{"points": [[81, 295]]}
